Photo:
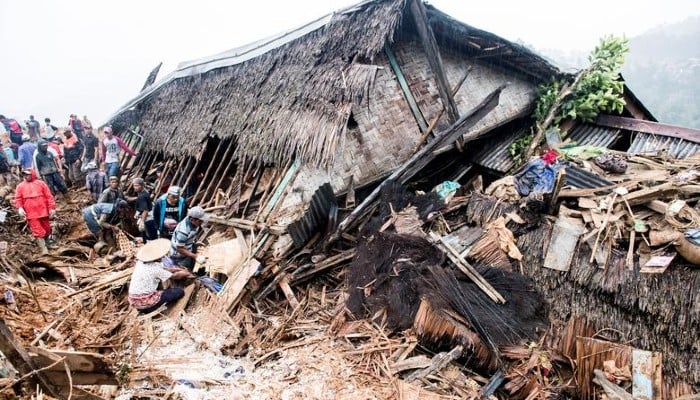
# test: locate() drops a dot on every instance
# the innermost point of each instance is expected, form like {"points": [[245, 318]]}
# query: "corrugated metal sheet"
{"points": [[581, 179], [322, 213], [675, 147], [494, 152], [594, 135]]}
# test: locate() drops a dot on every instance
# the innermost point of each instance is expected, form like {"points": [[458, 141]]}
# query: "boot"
{"points": [[42, 246]]}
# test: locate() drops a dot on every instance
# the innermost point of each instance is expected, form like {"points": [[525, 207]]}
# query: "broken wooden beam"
{"points": [[438, 362], [20, 359], [322, 266], [434, 60], [420, 159], [467, 268]]}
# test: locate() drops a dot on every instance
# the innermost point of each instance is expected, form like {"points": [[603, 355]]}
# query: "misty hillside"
{"points": [[662, 69]]}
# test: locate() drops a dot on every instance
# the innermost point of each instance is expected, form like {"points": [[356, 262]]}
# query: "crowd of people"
{"points": [[50, 160]]}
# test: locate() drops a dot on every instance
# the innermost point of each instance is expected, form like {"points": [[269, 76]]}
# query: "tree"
{"points": [[595, 89]]}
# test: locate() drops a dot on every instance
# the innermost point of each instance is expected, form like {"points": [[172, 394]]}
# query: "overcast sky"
{"points": [[90, 57]]}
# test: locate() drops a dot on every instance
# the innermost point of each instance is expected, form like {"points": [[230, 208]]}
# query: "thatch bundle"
{"points": [[658, 312]]}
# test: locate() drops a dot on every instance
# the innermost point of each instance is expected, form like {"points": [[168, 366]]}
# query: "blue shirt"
{"points": [[26, 154]]}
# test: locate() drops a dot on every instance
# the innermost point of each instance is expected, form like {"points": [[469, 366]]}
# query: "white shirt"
{"points": [[146, 277], [112, 150]]}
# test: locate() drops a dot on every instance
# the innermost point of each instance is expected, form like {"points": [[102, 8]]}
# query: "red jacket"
{"points": [[35, 197]]}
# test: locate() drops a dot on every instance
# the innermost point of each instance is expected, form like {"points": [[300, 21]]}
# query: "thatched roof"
{"points": [[291, 95]]}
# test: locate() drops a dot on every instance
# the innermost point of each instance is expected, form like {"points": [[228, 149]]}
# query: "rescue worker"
{"points": [[35, 202], [183, 251], [112, 193], [168, 211], [101, 216]]}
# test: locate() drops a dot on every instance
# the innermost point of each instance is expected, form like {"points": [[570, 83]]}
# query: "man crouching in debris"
{"points": [[35, 202], [149, 272], [182, 246], [102, 216]]}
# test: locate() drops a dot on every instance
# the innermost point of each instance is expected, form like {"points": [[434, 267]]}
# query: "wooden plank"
{"points": [[438, 362], [174, 310], [60, 378], [233, 288], [648, 194], [20, 359], [323, 265], [563, 242], [416, 362], [77, 361], [288, 292], [654, 128], [412, 104], [434, 59]]}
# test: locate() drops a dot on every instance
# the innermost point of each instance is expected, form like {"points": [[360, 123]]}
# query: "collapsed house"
{"points": [[284, 125], [291, 141]]}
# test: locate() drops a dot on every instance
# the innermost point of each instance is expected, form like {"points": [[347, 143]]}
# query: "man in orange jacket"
{"points": [[35, 202]]}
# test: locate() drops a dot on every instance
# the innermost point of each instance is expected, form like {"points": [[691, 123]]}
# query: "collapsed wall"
{"points": [[657, 312]]}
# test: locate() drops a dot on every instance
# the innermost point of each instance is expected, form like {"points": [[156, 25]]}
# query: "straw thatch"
{"points": [[291, 100], [659, 312], [295, 100]]}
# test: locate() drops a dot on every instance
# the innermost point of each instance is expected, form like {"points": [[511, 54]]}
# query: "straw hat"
{"points": [[153, 250]]}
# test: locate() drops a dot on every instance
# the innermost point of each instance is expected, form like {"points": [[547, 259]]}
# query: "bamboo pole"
{"points": [[252, 193], [223, 175], [211, 189], [188, 167], [206, 173]]}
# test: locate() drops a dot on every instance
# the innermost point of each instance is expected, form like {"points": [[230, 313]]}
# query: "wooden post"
{"points": [[255, 188], [433, 53], [166, 169], [211, 189], [435, 120], [178, 172], [206, 173], [192, 172], [188, 168], [19, 358], [225, 172]]}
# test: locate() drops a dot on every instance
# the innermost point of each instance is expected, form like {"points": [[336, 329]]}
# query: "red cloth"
{"points": [[549, 157], [57, 148], [34, 197], [40, 227]]}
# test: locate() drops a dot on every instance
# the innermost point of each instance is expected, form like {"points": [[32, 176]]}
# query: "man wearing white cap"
{"points": [[148, 273], [182, 248]]}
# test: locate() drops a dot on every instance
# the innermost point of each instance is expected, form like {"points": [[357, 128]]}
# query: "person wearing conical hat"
{"points": [[149, 272]]}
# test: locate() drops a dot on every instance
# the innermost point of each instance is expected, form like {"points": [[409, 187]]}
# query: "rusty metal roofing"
{"points": [[322, 212], [594, 135], [675, 147], [494, 152]]}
